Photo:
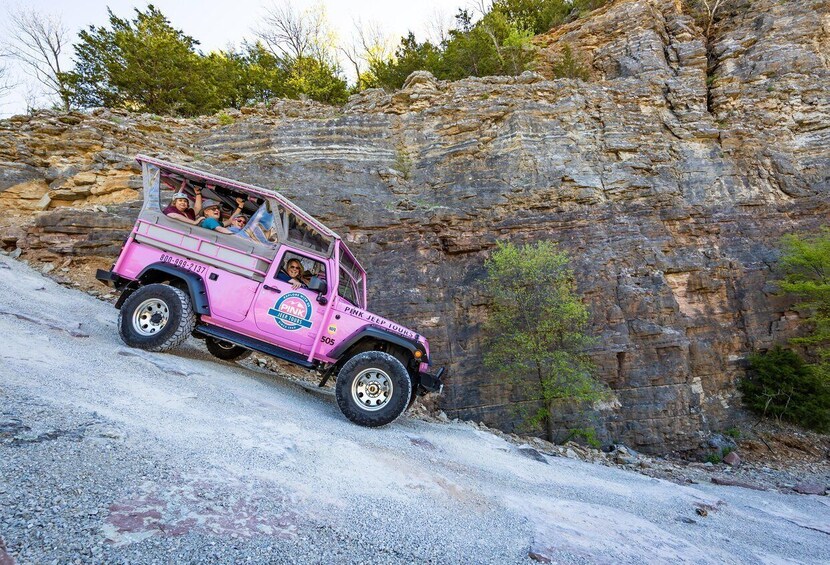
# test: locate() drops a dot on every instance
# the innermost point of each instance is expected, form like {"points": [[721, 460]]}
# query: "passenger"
{"points": [[238, 223], [180, 209], [293, 274], [212, 214], [231, 222]]}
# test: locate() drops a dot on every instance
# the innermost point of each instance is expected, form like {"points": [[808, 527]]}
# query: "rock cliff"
{"points": [[669, 176]]}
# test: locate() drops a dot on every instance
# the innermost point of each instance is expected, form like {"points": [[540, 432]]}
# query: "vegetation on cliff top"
{"points": [[146, 64]]}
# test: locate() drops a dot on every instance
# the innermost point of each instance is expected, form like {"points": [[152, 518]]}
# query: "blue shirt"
{"points": [[235, 229], [210, 223]]}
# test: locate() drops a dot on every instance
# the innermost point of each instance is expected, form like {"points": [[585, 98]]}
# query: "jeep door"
{"points": [[287, 317]]}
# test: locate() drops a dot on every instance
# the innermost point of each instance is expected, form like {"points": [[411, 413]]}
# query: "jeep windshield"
{"points": [[352, 285]]}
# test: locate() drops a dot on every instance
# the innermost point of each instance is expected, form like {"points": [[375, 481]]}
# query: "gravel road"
{"points": [[115, 455]]}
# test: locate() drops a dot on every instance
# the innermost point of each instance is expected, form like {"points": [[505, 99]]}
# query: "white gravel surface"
{"points": [[115, 455]]}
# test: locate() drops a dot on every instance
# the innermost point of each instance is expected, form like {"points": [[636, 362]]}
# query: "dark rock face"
{"points": [[670, 191]]}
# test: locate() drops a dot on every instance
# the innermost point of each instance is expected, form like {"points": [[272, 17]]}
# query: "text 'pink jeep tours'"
{"points": [[234, 291]]}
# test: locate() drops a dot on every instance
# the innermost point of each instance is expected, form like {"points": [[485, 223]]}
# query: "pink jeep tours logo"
{"points": [[292, 312]]}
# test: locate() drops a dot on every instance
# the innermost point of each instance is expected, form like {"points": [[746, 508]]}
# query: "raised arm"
{"points": [[239, 204]]}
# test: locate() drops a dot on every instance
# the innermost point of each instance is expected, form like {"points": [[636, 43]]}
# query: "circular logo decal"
{"points": [[292, 312]]}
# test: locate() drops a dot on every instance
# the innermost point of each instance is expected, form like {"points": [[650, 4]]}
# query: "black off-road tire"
{"points": [[156, 317], [225, 350], [373, 388]]}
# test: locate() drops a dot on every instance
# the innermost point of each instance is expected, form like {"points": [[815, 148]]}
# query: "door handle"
{"points": [[271, 288]]}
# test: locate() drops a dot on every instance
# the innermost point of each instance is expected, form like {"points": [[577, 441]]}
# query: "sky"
{"points": [[217, 24]]}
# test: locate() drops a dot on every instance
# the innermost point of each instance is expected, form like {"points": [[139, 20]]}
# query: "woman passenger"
{"points": [[180, 209]]}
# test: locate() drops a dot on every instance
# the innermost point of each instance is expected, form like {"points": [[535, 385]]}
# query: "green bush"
{"points": [[713, 458], [805, 262], [734, 433], [537, 331], [588, 435], [781, 385]]}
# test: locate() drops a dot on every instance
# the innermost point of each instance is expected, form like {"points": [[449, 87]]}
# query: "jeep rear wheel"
{"points": [[225, 350], [373, 388], [156, 317]]}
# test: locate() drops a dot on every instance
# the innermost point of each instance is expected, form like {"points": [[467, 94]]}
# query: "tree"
{"points": [[537, 16], [491, 45], [537, 330], [5, 82], [290, 34], [142, 65], [37, 40], [303, 45], [410, 56], [805, 263], [369, 46], [780, 384]]}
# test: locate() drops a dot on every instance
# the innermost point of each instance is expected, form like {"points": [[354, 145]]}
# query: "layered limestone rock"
{"points": [[669, 177]]}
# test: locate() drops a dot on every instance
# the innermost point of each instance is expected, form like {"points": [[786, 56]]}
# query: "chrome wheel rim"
{"points": [[372, 389], [150, 317]]}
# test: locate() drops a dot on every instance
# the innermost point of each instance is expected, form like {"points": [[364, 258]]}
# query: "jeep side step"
{"points": [[254, 344]]}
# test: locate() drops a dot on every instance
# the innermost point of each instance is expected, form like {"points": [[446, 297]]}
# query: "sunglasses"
{"points": [[242, 220]]}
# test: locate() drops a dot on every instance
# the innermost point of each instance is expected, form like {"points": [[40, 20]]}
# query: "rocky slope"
{"points": [[669, 176], [115, 455]]}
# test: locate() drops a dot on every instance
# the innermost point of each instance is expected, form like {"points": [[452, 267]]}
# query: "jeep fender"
{"points": [[157, 272], [374, 334]]}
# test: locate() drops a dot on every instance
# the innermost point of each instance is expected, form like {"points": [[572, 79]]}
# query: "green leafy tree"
{"points": [[537, 16], [540, 16], [410, 56], [491, 46], [806, 265], [316, 79], [302, 44], [779, 384], [249, 76], [537, 330], [143, 65]]}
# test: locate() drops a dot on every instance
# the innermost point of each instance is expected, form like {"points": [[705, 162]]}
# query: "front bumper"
{"points": [[106, 277], [432, 382]]}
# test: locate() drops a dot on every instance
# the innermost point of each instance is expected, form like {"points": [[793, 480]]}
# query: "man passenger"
{"points": [[213, 214]]}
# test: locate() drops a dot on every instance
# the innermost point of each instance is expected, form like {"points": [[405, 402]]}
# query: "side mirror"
{"points": [[318, 284]]}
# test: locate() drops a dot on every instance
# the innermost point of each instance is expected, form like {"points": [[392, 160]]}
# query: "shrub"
{"points": [[568, 66], [734, 433], [713, 458], [805, 262], [781, 385], [588, 435], [537, 331]]}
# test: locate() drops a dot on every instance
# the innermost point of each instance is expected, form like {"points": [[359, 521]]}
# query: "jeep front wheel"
{"points": [[225, 350], [373, 389], [156, 317]]}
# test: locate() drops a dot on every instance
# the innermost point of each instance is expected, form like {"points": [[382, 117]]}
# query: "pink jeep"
{"points": [[233, 290]]}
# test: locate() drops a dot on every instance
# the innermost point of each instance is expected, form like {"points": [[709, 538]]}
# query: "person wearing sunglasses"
{"points": [[238, 223], [293, 273]]}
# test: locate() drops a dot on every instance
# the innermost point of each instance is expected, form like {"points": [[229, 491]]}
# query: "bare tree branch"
{"points": [[438, 26], [5, 82], [292, 35], [369, 44], [36, 40]]}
